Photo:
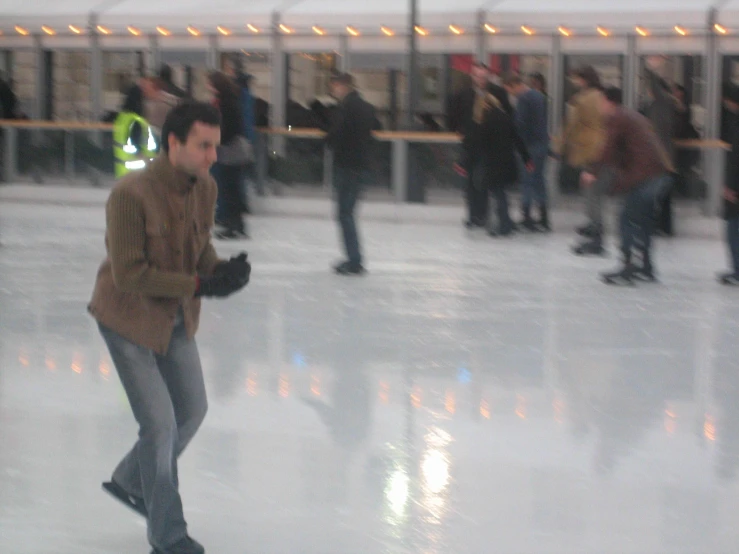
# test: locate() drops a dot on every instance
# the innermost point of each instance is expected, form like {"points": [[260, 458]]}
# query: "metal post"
{"points": [[69, 154], [212, 56], [412, 65], [278, 93], [155, 56], [10, 155], [481, 46], [96, 69], [556, 99], [262, 162], [400, 169], [6, 58], [344, 54], [631, 73], [39, 105], [556, 85], [328, 168], [713, 159]]}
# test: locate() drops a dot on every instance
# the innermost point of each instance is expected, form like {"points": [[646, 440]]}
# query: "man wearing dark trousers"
{"points": [[661, 112], [460, 120], [641, 170], [146, 301], [350, 138]]}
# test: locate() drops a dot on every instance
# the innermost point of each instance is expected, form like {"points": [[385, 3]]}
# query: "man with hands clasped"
{"points": [[160, 262]]}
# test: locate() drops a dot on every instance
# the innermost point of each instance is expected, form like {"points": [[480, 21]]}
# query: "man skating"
{"points": [[350, 138], [146, 300], [641, 172]]}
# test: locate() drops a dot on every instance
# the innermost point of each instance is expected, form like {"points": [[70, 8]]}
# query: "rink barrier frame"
{"points": [[713, 149]]}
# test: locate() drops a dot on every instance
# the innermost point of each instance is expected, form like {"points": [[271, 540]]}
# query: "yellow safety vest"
{"points": [[127, 155]]}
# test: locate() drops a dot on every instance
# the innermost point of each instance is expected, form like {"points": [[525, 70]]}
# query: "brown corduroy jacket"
{"points": [[158, 223]]}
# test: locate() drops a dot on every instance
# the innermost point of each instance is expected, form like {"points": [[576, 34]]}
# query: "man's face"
{"points": [[479, 77], [197, 155], [515, 90], [339, 90], [607, 108]]}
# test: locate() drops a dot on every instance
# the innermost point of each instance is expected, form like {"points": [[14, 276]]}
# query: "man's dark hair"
{"points": [[165, 73], [512, 80], [182, 117], [539, 78], [590, 76], [614, 95], [343, 78]]}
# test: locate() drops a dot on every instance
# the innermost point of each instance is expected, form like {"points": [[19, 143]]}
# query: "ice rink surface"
{"points": [[469, 395]]}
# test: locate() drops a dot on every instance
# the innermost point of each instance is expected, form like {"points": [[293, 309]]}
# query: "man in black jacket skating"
{"points": [[350, 138]]}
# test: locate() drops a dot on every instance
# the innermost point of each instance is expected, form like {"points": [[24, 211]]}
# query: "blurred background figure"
{"points": [[228, 175], [582, 144], [166, 76], [661, 112], [234, 68], [532, 126]]}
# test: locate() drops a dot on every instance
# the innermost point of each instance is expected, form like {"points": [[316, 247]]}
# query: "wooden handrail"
{"points": [[56, 125], [310, 133]]}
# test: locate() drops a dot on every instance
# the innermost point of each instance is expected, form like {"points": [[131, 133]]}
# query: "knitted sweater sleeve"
{"points": [[126, 240]]}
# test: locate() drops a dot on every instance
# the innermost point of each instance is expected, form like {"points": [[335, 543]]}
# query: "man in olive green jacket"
{"points": [[147, 304]]}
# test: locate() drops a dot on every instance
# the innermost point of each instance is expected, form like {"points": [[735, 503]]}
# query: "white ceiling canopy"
{"points": [[366, 17]]}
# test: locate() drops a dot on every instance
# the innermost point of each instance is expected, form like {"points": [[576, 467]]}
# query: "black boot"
{"points": [[527, 222], [186, 545], [590, 230], [544, 224], [730, 279], [592, 247], [623, 277], [644, 270]]}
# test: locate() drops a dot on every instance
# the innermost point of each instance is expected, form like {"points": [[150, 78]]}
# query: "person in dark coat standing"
{"points": [[460, 120], [350, 138], [490, 143], [230, 206], [661, 112], [731, 191]]}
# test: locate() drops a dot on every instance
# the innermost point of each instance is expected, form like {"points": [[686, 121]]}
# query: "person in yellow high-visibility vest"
{"points": [[128, 155]]}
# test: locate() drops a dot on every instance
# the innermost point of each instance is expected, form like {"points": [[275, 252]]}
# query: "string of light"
{"points": [[353, 31]]}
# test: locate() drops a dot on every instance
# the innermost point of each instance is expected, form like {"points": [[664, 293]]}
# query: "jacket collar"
{"points": [[172, 177]]}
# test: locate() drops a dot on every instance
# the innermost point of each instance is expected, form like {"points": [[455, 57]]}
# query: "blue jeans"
{"points": [[639, 217], [533, 185], [349, 183], [732, 238], [167, 396]]}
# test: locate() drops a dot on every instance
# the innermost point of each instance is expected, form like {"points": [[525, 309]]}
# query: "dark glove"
{"points": [[237, 268], [219, 286]]}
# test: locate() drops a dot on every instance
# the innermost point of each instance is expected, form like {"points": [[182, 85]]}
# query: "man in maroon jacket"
{"points": [[641, 172]]}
